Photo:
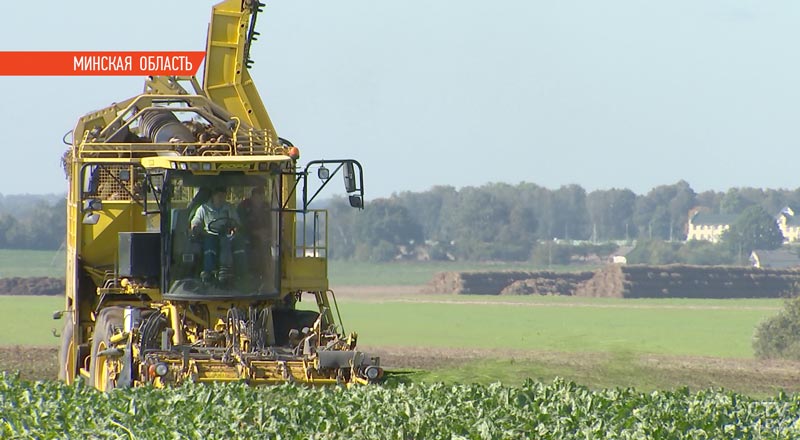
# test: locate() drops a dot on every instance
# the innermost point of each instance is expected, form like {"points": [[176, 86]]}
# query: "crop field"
{"points": [[600, 342], [556, 410], [570, 367]]}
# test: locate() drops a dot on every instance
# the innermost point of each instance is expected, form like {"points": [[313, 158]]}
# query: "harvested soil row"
{"points": [[564, 284], [496, 283], [689, 282], [32, 286]]}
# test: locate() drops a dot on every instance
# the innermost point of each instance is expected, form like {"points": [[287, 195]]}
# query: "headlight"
{"points": [[206, 166], [372, 372], [161, 369]]}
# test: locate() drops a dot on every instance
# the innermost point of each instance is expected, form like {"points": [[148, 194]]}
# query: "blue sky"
{"points": [[603, 94]]}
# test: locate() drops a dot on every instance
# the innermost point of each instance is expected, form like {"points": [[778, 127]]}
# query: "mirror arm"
{"points": [[150, 187], [294, 188], [306, 200]]}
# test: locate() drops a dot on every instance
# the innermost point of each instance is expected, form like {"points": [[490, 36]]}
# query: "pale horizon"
{"points": [[602, 95]]}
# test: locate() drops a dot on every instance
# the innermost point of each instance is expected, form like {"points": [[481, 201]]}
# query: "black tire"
{"points": [[108, 320], [66, 351]]}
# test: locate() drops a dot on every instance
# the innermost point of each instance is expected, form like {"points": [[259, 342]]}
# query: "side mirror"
{"points": [[92, 205], [356, 202], [91, 218], [349, 174]]}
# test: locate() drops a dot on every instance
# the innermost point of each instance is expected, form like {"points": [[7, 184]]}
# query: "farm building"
{"points": [[708, 227]]}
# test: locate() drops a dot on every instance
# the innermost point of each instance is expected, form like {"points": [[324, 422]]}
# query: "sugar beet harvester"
{"points": [[190, 242]]}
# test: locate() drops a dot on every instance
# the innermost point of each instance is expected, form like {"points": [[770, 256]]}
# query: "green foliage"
{"points": [[40, 226], [558, 410], [779, 336], [704, 253], [504, 222], [662, 213], [658, 252], [375, 235], [549, 253], [753, 229], [654, 252]]}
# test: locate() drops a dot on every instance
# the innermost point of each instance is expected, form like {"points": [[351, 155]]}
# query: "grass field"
{"points": [[415, 273], [724, 329], [25, 263], [671, 327], [599, 342]]}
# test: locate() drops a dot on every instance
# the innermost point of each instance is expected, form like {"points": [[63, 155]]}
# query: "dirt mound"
{"points": [[506, 283], [32, 286], [680, 281], [548, 283]]}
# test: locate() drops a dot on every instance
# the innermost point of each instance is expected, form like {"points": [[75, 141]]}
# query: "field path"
{"points": [[411, 294]]}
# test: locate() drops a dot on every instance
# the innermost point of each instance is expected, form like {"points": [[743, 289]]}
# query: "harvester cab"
{"points": [[191, 240]]}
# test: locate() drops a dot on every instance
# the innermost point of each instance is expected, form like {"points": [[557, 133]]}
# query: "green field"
{"points": [[25, 263], [673, 327], [701, 329], [415, 273], [551, 410], [599, 342]]}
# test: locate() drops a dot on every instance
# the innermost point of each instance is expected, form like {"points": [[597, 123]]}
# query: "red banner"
{"points": [[100, 63]]}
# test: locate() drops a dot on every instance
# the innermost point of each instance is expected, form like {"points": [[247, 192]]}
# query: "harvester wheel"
{"points": [[102, 369], [66, 357]]}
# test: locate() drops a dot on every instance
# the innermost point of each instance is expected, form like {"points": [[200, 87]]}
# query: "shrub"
{"points": [[779, 336]]}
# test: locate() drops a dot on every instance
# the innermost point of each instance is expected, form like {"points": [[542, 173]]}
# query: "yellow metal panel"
{"points": [[167, 161], [308, 274], [226, 79], [98, 243]]}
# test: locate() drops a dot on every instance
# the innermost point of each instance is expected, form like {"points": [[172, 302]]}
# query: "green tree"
{"points": [[384, 225], [753, 229], [779, 335]]}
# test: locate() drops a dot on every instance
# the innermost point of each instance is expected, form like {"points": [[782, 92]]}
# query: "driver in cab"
{"points": [[216, 221]]}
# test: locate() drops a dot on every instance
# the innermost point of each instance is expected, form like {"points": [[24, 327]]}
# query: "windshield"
{"points": [[223, 232]]}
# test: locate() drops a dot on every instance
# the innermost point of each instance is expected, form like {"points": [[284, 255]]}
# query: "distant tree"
{"points": [[704, 253], [341, 228], [779, 335], [753, 229], [611, 213], [662, 213], [384, 225], [654, 252]]}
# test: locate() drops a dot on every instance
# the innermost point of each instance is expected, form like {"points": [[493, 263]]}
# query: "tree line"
{"points": [[500, 221], [32, 222], [495, 221]]}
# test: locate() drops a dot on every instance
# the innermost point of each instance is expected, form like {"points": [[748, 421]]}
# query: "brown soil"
{"points": [[506, 282], [751, 376], [638, 281], [32, 363], [760, 377], [32, 286]]}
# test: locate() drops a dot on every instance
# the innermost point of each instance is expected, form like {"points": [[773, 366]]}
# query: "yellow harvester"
{"points": [[175, 272]]}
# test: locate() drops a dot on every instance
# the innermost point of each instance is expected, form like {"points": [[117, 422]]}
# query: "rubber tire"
{"points": [[109, 319], [67, 340]]}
